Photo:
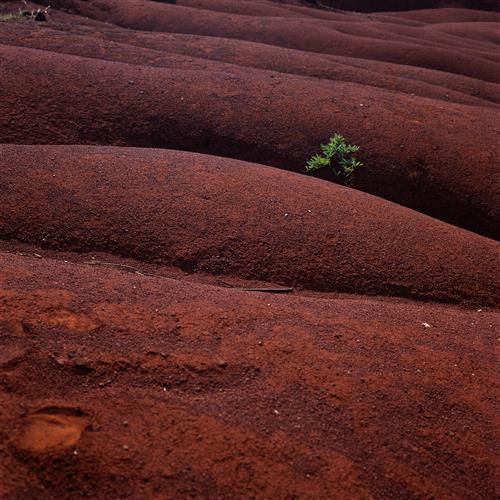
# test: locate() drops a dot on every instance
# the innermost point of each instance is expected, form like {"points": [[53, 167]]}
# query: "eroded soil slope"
{"points": [[185, 314], [429, 137], [203, 213], [116, 385]]}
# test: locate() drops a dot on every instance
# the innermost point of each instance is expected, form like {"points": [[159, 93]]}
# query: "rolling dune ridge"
{"points": [[184, 313]]}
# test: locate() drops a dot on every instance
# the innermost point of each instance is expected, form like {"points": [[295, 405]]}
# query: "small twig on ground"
{"points": [[123, 266], [150, 275]]}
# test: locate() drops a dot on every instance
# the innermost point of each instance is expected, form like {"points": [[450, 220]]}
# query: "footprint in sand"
{"points": [[52, 428]]}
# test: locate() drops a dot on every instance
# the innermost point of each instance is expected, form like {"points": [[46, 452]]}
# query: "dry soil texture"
{"points": [[185, 314]]}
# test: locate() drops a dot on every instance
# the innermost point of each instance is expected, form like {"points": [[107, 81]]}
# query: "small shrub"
{"points": [[336, 155]]}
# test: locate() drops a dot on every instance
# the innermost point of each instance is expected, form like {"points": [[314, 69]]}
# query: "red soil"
{"points": [[333, 37], [116, 385], [139, 356], [152, 205], [165, 49], [380, 5], [440, 162]]}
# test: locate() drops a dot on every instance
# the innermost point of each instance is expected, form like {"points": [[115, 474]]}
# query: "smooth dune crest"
{"points": [[176, 322], [440, 162], [220, 216], [312, 35], [208, 53]]}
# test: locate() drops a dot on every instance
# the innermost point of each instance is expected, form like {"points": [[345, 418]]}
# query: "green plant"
{"points": [[336, 155]]}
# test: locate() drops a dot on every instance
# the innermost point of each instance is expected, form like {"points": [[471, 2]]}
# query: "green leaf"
{"points": [[336, 147]]}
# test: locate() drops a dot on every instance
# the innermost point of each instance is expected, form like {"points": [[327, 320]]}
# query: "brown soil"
{"points": [[387, 5], [221, 216], [346, 35], [117, 385], [180, 325], [440, 162]]}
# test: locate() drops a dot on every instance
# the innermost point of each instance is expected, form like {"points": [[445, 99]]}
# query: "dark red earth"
{"points": [[221, 216], [396, 5], [115, 385], [441, 162], [185, 314]]}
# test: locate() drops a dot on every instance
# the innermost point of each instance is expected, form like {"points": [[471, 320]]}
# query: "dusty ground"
{"points": [[184, 313]]}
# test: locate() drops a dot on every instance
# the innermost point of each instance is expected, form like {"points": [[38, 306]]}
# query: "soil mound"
{"points": [[175, 324], [342, 35], [419, 152], [221, 216], [188, 390], [195, 53], [451, 15], [396, 5]]}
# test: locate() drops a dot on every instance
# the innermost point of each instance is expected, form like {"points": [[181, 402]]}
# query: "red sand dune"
{"points": [[220, 216], [485, 32], [452, 15], [140, 356], [298, 33], [116, 385], [165, 49], [380, 5], [425, 154]]}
